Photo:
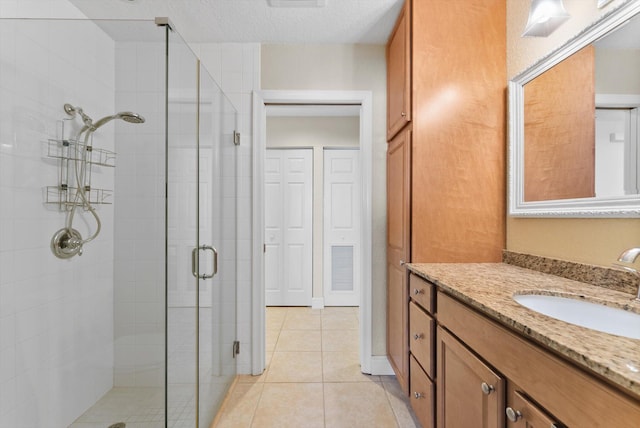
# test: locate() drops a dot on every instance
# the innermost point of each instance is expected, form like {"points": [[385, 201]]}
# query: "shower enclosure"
{"points": [[138, 328]]}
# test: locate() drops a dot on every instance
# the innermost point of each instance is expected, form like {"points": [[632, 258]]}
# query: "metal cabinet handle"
{"points": [[417, 292], [486, 388], [418, 336], [403, 114], [402, 262], [513, 415], [195, 264], [418, 395]]}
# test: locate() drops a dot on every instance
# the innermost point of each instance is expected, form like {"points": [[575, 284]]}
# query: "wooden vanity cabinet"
{"points": [[546, 384]]}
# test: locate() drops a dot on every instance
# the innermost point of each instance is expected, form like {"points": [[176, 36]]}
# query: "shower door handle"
{"points": [[195, 264]]}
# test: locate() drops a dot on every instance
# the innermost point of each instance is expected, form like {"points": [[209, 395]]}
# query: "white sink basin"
{"points": [[583, 313]]}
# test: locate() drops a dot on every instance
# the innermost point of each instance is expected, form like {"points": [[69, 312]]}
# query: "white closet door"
{"points": [[342, 243], [288, 227]]}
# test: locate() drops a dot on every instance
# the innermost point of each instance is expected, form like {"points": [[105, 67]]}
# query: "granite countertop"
{"points": [[489, 287]]}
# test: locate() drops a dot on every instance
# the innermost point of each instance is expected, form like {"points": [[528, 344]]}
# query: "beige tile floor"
{"points": [[313, 378]]}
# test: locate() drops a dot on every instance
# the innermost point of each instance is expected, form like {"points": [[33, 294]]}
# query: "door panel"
{"points": [[342, 240], [288, 227], [470, 393], [398, 252]]}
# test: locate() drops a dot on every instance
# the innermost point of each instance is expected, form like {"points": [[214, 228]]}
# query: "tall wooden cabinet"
{"points": [[446, 95]]}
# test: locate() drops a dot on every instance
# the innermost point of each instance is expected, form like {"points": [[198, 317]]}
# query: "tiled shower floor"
{"points": [[144, 407], [140, 408], [137, 407]]}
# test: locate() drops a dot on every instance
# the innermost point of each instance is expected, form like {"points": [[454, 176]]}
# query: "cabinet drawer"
{"points": [[422, 395], [422, 292], [421, 338]]}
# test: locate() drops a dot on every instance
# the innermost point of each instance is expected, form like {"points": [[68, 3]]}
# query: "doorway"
{"points": [[362, 101]]}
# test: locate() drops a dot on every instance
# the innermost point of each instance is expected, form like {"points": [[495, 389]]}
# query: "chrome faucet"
{"points": [[630, 256]]}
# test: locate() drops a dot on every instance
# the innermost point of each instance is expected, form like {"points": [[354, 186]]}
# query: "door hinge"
{"points": [[236, 348], [236, 138], [264, 248]]}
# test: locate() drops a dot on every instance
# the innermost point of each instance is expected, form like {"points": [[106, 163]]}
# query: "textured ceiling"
{"points": [[340, 21]]}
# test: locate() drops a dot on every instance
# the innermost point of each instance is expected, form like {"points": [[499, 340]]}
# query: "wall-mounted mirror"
{"points": [[575, 127]]}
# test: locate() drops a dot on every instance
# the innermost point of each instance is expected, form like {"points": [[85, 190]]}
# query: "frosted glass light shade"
{"points": [[544, 17]]}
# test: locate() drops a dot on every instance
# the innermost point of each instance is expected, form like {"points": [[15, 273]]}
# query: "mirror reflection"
{"points": [[581, 123]]}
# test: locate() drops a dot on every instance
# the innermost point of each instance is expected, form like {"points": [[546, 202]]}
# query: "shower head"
{"points": [[127, 116]]}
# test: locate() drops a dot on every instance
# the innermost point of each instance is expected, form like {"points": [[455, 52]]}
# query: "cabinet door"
{"points": [[470, 394], [399, 73], [522, 413], [398, 233]]}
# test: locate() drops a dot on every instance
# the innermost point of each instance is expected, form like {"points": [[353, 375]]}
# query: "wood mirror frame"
{"points": [[622, 206]]}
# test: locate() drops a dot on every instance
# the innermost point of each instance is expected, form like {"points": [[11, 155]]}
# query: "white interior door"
{"points": [[288, 227], [342, 217]]}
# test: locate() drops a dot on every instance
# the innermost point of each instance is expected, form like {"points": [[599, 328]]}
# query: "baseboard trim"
{"points": [[317, 303], [380, 366]]}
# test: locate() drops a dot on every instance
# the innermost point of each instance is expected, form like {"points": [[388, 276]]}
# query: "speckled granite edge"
{"points": [[600, 276]]}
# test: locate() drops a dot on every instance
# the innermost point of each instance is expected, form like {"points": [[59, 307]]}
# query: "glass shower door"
{"points": [[182, 232], [217, 302], [201, 267]]}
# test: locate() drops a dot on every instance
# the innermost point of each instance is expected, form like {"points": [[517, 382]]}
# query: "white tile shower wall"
{"points": [[139, 220], [56, 316], [236, 67]]}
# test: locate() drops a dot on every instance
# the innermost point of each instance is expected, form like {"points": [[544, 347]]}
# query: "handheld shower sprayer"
{"points": [[67, 242]]}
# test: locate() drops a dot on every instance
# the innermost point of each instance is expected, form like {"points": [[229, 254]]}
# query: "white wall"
{"points": [[56, 316], [617, 71], [345, 67]]}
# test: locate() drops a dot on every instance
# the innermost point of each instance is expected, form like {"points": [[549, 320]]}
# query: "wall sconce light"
{"points": [[544, 17]]}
